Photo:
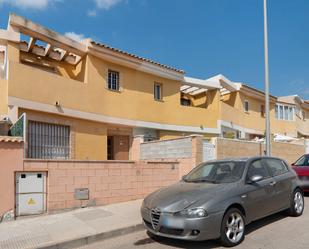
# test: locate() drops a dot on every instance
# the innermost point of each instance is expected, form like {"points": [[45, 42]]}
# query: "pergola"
{"points": [[195, 86]]}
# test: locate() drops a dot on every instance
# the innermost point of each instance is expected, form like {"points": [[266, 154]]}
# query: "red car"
{"points": [[301, 167]]}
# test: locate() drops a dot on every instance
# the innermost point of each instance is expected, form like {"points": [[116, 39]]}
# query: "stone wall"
{"points": [[165, 149], [108, 181]]}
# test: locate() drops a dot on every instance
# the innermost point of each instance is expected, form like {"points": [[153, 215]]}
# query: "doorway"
{"points": [[118, 147]]}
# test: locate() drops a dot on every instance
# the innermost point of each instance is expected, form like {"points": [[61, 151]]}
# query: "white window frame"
{"points": [[284, 112], [113, 80]]}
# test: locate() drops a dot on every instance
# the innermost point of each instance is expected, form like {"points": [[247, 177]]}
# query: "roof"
{"points": [[136, 56], [8, 139], [249, 89]]}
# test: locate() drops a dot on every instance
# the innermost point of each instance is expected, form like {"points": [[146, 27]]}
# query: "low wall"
{"points": [[188, 151], [108, 181], [166, 149], [229, 148], [11, 160]]}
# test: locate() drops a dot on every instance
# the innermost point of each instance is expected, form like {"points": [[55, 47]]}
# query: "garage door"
{"points": [[30, 193]]}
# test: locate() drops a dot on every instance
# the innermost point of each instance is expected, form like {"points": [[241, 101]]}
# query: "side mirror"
{"points": [[255, 178], [293, 164], [183, 177]]}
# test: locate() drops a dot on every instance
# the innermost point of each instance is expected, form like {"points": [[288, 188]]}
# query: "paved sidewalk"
{"points": [[73, 228]]}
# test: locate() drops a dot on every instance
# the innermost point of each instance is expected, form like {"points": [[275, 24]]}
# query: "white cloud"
{"points": [[92, 13], [29, 4], [75, 36], [107, 4]]}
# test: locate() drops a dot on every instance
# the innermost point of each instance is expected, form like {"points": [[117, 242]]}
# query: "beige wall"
{"points": [[229, 148], [11, 160], [3, 97], [108, 182]]}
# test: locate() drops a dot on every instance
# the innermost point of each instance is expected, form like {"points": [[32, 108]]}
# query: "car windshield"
{"points": [[303, 161], [216, 172]]}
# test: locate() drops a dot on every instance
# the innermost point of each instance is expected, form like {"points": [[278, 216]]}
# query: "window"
{"points": [[113, 80], [48, 141], [185, 102], [217, 172], [262, 111], [303, 161], [257, 168], [246, 106], [277, 167], [284, 112], [157, 91]]}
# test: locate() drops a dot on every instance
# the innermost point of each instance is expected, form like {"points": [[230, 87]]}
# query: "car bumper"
{"points": [[197, 229], [304, 183]]}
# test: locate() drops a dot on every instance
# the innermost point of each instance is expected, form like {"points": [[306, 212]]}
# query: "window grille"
{"points": [[48, 141]]}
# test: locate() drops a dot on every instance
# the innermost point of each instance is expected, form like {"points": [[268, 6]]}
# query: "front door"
{"points": [[118, 147]]}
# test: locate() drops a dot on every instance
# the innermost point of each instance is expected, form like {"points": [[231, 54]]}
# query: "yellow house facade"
{"points": [[85, 100]]}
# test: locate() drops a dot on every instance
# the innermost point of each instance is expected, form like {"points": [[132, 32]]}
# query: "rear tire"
{"points": [[297, 203], [232, 228]]}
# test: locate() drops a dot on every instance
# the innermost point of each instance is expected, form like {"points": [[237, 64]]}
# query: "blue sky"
{"points": [[203, 37]]}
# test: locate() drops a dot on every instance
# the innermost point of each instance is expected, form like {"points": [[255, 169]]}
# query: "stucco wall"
{"points": [[229, 148], [11, 160], [3, 97], [108, 181]]}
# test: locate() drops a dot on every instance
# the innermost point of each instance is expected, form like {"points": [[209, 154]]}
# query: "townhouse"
{"points": [[89, 101]]}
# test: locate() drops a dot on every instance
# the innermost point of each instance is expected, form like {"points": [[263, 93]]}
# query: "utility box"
{"points": [[81, 194], [30, 193]]}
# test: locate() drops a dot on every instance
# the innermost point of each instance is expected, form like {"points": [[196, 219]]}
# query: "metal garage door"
{"points": [[30, 193], [209, 151]]}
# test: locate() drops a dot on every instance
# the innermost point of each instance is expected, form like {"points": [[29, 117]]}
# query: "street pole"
{"points": [[267, 125]]}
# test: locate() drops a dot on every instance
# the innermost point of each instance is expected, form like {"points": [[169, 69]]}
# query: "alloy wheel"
{"points": [[234, 228], [298, 202]]}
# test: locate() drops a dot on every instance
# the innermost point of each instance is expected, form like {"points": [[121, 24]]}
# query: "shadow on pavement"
{"points": [[211, 243]]}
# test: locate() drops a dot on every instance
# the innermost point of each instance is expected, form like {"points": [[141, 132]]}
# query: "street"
{"points": [[276, 231]]}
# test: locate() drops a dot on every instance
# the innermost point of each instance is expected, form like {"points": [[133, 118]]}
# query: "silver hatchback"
{"points": [[218, 199]]}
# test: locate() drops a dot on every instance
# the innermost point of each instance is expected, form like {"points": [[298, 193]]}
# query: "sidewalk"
{"points": [[73, 228]]}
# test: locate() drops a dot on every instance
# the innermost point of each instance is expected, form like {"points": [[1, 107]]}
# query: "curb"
{"points": [[83, 241]]}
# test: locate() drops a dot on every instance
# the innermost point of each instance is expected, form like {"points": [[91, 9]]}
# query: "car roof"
{"points": [[244, 159]]}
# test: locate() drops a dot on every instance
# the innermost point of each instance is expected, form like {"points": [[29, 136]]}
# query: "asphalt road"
{"points": [[276, 231]]}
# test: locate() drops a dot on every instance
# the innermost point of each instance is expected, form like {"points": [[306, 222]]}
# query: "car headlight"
{"points": [[194, 213]]}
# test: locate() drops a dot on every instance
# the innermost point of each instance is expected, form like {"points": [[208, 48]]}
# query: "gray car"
{"points": [[218, 198]]}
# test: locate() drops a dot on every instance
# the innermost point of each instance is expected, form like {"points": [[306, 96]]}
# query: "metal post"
{"points": [[267, 125]]}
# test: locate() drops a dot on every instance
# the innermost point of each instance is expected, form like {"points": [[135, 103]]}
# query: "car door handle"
{"points": [[272, 183]]}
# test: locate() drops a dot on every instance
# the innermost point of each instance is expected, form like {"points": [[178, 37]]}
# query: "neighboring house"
{"points": [[85, 100], [243, 113], [293, 114]]}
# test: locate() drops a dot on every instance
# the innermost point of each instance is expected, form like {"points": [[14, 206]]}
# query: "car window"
{"points": [[303, 161], [216, 172], [277, 167], [257, 168]]}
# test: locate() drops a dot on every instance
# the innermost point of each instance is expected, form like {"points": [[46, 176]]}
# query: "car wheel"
{"points": [[232, 228], [297, 203]]}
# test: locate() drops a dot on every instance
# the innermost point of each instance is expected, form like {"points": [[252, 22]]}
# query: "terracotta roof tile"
{"points": [[8, 139], [136, 56]]}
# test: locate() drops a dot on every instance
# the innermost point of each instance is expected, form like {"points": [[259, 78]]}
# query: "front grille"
{"points": [[171, 231], [155, 217]]}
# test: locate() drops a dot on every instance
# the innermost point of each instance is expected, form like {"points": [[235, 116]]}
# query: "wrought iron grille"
{"points": [[48, 141]]}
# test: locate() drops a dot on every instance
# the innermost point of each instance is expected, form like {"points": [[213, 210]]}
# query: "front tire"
{"points": [[232, 228], [297, 203]]}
